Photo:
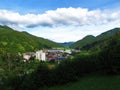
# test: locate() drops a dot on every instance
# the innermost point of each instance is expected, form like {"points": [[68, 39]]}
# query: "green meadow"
{"points": [[92, 83]]}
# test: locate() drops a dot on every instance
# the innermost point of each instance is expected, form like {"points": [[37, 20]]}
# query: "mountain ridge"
{"points": [[16, 41], [89, 39], [86, 40]]}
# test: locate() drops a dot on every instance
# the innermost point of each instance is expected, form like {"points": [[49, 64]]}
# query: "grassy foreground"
{"points": [[92, 83]]}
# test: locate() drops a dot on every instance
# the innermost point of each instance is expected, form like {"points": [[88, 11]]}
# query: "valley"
{"points": [[28, 62]]}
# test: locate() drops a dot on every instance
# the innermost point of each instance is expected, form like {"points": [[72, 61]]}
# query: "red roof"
{"points": [[51, 56]]}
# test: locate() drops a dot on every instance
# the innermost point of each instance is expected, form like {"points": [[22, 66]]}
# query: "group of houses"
{"points": [[48, 55]]}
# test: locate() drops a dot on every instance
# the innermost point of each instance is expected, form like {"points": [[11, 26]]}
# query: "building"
{"points": [[47, 55], [68, 51], [28, 55], [40, 55], [50, 57], [76, 51]]}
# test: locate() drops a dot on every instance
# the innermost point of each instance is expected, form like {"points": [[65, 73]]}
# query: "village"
{"points": [[49, 54]]}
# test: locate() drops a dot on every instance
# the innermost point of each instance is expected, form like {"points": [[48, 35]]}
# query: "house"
{"points": [[28, 55], [41, 55], [68, 51], [47, 55], [60, 58], [76, 51], [51, 57]]}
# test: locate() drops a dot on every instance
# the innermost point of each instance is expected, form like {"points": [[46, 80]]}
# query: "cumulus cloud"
{"points": [[61, 16], [71, 33]]}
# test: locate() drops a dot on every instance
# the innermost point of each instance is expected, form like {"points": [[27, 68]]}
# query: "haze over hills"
{"points": [[66, 44], [15, 41], [90, 41]]}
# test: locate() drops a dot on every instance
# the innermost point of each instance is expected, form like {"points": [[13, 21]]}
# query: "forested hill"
{"points": [[86, 40], [108, 33], [15, 41], [91, 41]]}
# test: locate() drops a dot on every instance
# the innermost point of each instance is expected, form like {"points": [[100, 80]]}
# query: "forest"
{"points": [[102, 59]]}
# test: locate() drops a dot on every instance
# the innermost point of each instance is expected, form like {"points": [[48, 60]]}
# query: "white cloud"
{"points": [[71, 33], [59, 17], [63, 24]]}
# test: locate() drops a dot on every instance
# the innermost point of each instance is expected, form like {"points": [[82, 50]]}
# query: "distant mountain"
{"points": [[15, 41], [91, 41], [66, 44]]}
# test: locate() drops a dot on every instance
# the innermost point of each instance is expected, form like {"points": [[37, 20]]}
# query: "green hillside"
{"points": [[86, 40], [92, 83], [107, 73], [90, 41], [85, 71], [108, 34], [15, 41], [102, 40]]}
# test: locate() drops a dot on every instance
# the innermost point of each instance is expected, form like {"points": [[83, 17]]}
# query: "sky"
{"points": [[61, 20]]}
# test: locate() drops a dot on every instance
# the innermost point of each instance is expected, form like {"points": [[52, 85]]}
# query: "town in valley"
{"points": [[49, 54]]}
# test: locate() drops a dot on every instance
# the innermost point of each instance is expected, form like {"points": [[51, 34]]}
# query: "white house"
{"points": [[26, 56], [68, 51], [40, 55]]}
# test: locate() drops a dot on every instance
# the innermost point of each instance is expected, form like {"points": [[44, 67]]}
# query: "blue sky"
{"points": [[61, 20], [37, 6]]}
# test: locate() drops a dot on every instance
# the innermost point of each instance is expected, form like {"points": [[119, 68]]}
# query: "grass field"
{"points": [[92, 83]]}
